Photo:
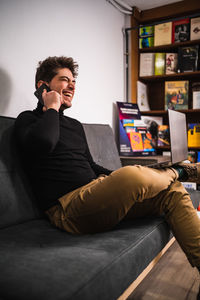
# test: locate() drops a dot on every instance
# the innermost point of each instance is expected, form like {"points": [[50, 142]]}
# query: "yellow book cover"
{"points": [[163, 34], [159, 64]]}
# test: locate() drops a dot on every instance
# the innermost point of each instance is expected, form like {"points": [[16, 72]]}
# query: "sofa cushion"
{"points": [[39, 261]]}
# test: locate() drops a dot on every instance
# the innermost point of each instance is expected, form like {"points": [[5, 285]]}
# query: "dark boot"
{"points": [[192, 171]]}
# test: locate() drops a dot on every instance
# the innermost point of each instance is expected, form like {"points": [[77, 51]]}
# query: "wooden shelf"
{"points": [[167, 148], [163, 112], [163, 148], [165, 48], [194, 148], [176, 76]]}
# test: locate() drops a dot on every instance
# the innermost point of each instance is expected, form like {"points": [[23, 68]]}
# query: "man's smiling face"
{"points": [[64, 83]]}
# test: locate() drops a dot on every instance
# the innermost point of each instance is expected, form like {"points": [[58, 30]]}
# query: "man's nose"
{"points": [[71, 85]]}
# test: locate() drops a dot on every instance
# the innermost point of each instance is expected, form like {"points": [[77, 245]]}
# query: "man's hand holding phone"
{"points": [[49, 99], [52, 99]]}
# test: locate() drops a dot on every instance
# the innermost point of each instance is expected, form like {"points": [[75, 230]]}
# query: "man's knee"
{"points": [[131, 176]]}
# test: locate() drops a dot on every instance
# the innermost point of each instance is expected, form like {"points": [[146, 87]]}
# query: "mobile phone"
{"points": [[39, 91]]}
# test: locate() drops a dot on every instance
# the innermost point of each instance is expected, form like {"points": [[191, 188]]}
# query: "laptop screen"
{"points": [[178, 136]]}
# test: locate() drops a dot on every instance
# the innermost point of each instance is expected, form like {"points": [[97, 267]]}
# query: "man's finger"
{"points": [[61, 96]]}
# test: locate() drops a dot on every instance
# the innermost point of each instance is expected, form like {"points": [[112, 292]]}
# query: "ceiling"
{"points": [[148, 4]]}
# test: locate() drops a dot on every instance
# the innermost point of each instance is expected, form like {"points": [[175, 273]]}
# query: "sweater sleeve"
{"points": [[39, 134]]}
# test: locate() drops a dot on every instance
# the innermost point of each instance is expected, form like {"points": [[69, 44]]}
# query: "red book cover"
{"points": [[181, 30]]}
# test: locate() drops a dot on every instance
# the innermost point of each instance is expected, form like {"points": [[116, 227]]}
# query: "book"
{"points": [[192, 156], [188, 58], [194, 135], [176, 94], [136, 141], [159, 64], [195, 28], [146, 37], [163, 34], [163, 136], [142, 98], [128, 112], [196, 100], [196, 95], [171, 63], [198, 156], [152, 123], [140, 138], [146, 42], [146, 31], [181, 30], [146, 64], [191, 186]]}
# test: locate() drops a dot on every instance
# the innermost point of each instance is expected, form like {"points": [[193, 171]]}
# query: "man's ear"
{"points": [[40, 82]]}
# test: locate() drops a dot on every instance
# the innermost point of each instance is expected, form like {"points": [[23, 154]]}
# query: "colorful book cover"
{"points": [[152, 123], [136, 141], [148, 143], [159, 63], [163, 135], [147, 64], [146, 37], [198, 156], [176, 94], [141, 140], [146, 31], [181, 30], [195, 28], [192, 156], [134, 137], [163, 34], [171, 63], [146, 42], [194, 135], [188, 59]]}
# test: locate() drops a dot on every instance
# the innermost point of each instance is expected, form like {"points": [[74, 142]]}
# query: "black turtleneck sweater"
{"points": [[55, 154]]}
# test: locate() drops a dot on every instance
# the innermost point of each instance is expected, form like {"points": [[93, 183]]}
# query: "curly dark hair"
{"points": [[49, 67]]}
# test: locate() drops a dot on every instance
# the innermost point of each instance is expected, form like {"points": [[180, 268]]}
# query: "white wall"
{"points": [[88, 30]]}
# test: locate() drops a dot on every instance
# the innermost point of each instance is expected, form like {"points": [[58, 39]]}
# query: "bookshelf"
{"points": [[156, 83], [154, 16]]}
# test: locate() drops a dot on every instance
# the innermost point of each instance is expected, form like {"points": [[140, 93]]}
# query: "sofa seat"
{"points": [[39, 261]]}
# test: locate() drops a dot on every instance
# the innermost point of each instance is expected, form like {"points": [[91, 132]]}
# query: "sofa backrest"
{"points": [[17, 203], [16, 200], [102, 145]]}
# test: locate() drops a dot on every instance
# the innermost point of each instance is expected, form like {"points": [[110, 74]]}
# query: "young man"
{"points": [[80, 196]]}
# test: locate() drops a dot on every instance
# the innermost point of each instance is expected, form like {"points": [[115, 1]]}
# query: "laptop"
{"points": [[178, 140]]}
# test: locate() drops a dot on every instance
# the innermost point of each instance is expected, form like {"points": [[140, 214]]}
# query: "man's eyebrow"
{"points": [[63, 77]]}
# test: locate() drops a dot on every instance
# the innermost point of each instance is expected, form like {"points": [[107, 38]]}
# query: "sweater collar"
{"points": [[40, 111]]}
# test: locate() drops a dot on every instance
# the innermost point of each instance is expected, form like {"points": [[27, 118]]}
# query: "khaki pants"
{"points": [[131, 192]]}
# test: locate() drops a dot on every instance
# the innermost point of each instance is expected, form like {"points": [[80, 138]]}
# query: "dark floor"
{"points": [[172, 278]]}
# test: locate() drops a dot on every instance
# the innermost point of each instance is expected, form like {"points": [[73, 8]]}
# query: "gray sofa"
{"points": [[38, 261]]}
